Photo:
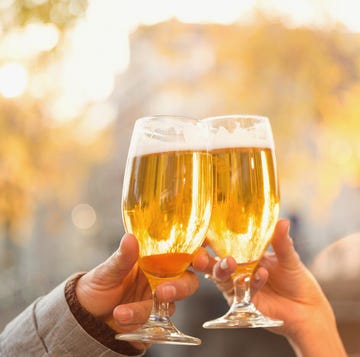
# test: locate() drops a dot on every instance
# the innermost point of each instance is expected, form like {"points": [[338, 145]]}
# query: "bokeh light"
{"points": [[83, 216], [13, 80]]}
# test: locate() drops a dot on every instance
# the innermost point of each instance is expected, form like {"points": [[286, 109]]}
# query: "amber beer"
{"points": [[167, 206], [246, 203]]}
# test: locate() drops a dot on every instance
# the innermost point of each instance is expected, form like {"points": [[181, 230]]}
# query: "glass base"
{"points": [[244, 316], [165, 333]]}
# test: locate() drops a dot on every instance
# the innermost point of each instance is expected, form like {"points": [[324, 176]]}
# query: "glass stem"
{"points": [[160, 311], [242, 295]]}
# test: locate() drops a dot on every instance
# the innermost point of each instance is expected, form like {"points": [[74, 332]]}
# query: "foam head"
{"points": [[239, 131], [168, 133]]}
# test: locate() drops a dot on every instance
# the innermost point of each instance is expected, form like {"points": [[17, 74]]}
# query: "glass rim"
{"points": [[236, 116], [166, 116], [240, 130], [164, 132]]}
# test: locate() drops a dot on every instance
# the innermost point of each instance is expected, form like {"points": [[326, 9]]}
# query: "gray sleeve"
{"points": [[48, 328]]}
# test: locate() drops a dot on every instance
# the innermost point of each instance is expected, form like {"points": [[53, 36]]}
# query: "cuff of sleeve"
{"points": [[93, 326]]}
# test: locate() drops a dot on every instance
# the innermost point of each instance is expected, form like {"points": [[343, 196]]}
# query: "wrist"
{"points": [[94, 326], [318, 337]]}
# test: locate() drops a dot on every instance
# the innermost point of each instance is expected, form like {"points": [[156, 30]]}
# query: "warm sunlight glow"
{"points": [[22, 43], [316, 13], [41, 37], [13, 80], [97, 48]]}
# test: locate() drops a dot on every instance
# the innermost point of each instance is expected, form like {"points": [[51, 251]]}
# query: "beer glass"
{"points": [[245, 206], [166, 204]]}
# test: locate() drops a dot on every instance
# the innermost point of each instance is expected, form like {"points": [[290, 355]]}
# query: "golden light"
{"points": [[41, 37], [97, 48], [13, 80], [27, 42]]}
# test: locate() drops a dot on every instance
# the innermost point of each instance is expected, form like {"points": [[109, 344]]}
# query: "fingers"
{"points": [[259, 279], [126, 256], [223, 269], [217, 270], [283, 245], [128, 315], [221, 275], [178, 289], [202, 261], [118, 265]]}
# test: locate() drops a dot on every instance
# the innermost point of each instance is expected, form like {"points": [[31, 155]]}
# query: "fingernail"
{"points": [[257, 277], [224, 264], [119, 250], [168, 292], [288, 230], [124, 314], [289, 236]]}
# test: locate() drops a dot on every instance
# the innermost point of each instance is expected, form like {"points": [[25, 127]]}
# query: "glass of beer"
{"points": [[166, 204], [245, 207]]}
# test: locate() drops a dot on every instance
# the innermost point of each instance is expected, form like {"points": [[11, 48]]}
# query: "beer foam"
{"points": [[191, 136], [258, 135]]}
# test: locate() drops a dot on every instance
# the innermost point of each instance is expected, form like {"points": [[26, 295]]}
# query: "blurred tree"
{"points": [[304, 79], [21, 12], [39, 159]]}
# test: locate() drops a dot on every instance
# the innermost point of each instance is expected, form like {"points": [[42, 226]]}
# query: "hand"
{"points": [[117, 291], [285, 289]]}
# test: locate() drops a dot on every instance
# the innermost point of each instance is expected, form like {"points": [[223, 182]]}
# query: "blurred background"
{"points": [[75, 74]]}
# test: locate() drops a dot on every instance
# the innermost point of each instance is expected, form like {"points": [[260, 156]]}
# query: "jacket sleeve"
{"points": [[48, 328]]}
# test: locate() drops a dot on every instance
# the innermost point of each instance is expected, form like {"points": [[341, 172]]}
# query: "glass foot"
{"points": [[242, 317], [155, 333]]}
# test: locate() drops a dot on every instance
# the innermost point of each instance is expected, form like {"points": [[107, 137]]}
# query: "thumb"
{"points": [[94, 288], [283, 245], [119, 264]]}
